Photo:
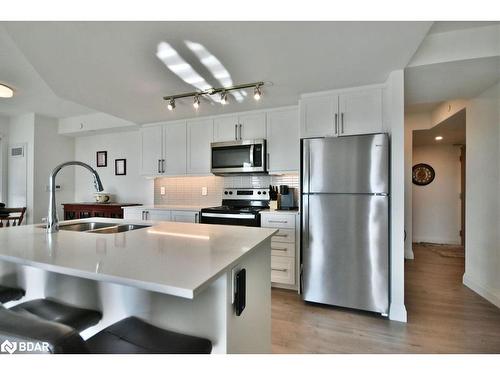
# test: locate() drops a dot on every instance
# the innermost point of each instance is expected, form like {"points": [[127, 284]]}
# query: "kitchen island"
{"points": [[178, 276]]}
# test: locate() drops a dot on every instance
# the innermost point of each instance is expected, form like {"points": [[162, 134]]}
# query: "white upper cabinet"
{"points": [[252, 125], [226, 128], [317, 116], [283, 145], [240, 127], [152, 150], [174, 146], [342, 113], [361, 112], [199, 137]]}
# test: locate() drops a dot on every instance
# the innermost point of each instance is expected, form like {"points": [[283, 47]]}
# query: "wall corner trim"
{"points": [[487, 293], [397, 313]]}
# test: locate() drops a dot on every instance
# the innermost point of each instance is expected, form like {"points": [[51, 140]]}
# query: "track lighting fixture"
{"points": [[223, 91], [223, 98], [171, 104], [257, 93]]}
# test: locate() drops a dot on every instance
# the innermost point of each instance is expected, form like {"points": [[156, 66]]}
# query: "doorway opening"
{"points": [[438, 190]]}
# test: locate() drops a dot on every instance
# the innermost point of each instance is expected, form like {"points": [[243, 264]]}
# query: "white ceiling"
{"points": [[112, 67], [451, 80], [452, 130], [32, 94]]}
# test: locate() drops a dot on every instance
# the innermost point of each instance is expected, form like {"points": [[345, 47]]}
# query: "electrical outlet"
{"points": [[162, 190], [204, 190]]}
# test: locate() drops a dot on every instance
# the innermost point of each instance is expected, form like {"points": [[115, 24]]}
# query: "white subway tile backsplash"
{"points": [[187, 190]]}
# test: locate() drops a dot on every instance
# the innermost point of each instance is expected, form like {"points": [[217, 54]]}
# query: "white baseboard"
{"points": [[398, 313], [443, 241], [487, 293]]}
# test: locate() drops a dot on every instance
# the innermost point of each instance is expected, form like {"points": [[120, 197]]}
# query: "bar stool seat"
{"points": [[133, 336], [10, 294], [75, 317]]}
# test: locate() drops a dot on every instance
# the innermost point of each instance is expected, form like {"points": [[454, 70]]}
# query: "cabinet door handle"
{"points": [[163, 165], [336, 123], [235, 132], [240, 131], [268, 163], [142, 215], [342, 123], [159, 165], [280, 235], [196, 217], [279, 269], [278, 221]]}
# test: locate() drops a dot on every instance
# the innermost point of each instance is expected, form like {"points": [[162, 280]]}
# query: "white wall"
{"points": [[132, 188], [395, 117], [51, 149], [482, 246], [4, 146], [436, 207]]}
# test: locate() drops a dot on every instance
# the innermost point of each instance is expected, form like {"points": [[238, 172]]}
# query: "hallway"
{"points": [[444, 316]]}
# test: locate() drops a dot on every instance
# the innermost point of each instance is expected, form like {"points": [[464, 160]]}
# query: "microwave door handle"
{"points": [[251, 155]]}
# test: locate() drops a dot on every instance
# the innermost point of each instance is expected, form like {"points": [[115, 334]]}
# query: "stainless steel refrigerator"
{"points": [[345, 221]]}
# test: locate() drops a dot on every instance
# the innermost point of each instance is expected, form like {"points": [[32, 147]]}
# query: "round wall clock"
{"points": [[423, 174]]}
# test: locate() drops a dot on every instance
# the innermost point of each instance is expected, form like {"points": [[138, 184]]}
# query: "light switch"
{"points": [[204, 190], [162, 190]]}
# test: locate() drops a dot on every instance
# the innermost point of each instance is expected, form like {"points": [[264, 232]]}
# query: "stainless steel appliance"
{"points": [[239, 207], [248, 156], [345, 221]]}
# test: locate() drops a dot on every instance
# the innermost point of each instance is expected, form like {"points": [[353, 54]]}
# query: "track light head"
{"points": [[171, 104], [257, 93], [223, 97], [196, 102]]}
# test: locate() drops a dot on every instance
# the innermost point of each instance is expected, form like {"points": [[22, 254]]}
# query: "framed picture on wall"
{"points": [[102, 158], [120, 167]]}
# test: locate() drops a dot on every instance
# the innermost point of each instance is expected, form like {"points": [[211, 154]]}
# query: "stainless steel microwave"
{"points": [[248, 156]]}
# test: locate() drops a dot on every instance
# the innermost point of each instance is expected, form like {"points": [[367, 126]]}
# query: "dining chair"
{"points": [[15, 217]]}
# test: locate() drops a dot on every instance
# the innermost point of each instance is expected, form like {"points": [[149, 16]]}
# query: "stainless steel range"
{"points": [[239, 207]]}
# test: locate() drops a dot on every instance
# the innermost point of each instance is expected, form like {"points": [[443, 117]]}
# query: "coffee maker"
{"points": [[287, 198]]}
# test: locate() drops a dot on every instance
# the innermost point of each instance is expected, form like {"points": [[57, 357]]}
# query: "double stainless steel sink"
{"points": [[99, 227]]}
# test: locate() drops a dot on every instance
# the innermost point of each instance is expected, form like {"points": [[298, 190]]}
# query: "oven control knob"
{"points": [[259, 193], [225, 192], [263, 193], [230, 193]]}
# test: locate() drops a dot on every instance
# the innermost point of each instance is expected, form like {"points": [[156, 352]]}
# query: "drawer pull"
{"points": [[279, 269], [278, 221], [279, 248], [280, 235]]}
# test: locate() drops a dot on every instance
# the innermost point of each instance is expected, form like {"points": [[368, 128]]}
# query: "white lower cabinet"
{"points": [[283, 247], [138, 213], [185, 216]]}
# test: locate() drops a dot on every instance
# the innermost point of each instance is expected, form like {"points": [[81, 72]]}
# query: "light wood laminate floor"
{"points": [[444, 316]]}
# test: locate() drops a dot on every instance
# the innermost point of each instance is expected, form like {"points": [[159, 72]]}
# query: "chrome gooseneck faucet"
{"points": [[52, 219]]}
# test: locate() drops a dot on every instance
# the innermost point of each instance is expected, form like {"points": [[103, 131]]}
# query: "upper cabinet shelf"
{"points": [[340, 113]]}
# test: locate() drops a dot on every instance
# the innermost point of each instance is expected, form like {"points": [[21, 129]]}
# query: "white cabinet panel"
{"points": [[317, 116], [174, 146], [151, 146], [226, 128], [185, 216], [133, 214], [283, 146], [199, 137], [282, 270], [253, 125], [158, 215], [361, 112]]}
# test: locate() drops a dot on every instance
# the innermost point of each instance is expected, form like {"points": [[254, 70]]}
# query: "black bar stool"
{"points": [[55, 311], [8, 294], [128, 336]]}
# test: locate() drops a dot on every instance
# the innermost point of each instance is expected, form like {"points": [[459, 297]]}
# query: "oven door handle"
{"points": [[228, 216]]}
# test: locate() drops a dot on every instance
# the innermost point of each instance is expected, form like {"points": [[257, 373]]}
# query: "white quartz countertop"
{"points": [[167, 207], [174, 258]]}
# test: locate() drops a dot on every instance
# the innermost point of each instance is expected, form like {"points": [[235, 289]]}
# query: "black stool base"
{"points": [[8, 294]]}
